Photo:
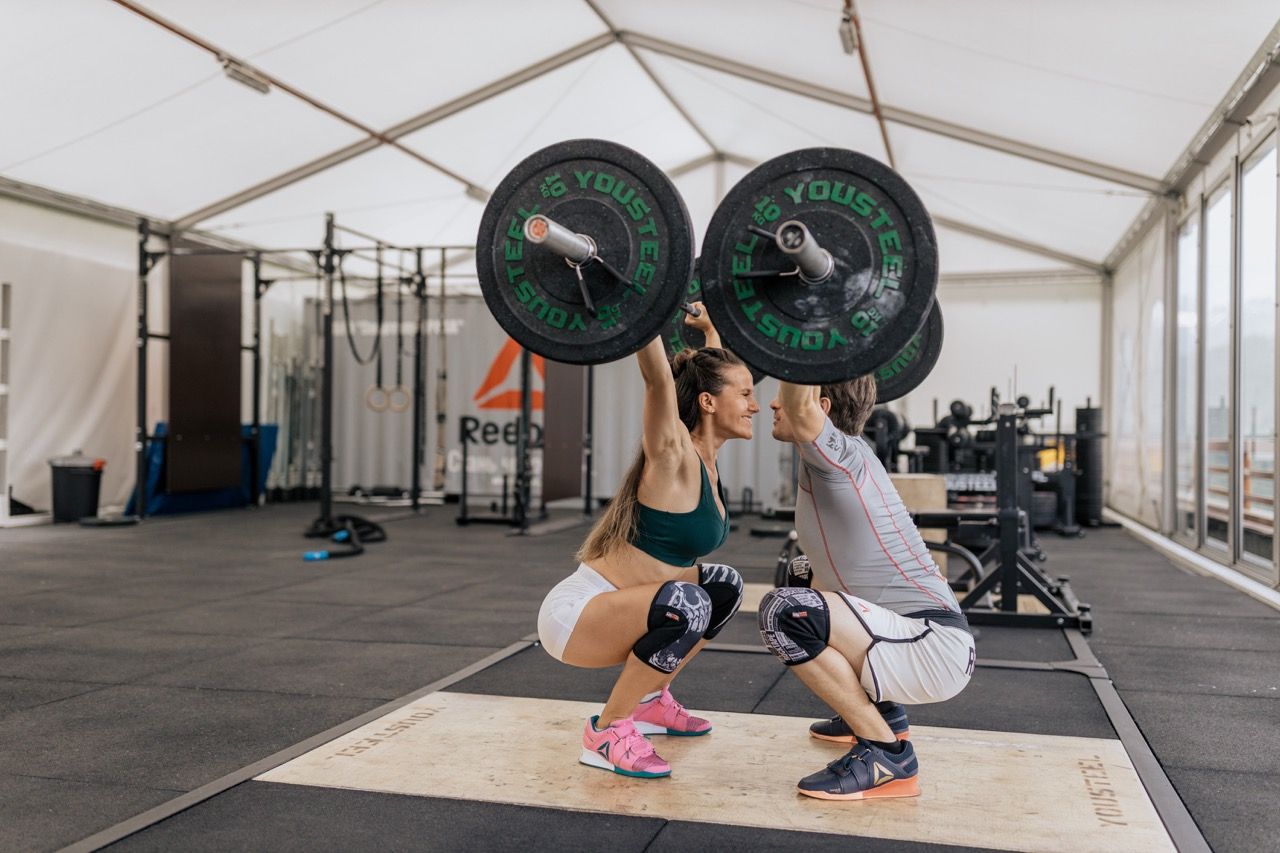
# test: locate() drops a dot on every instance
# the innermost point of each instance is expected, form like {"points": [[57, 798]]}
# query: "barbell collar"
{"points": [[815, 262], [544, 231]]}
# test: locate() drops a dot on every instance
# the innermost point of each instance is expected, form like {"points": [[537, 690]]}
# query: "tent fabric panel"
{"points": [[248, 30], [384, 62], [385, 192], [1031, 201], [194, 149], [966, 254], [1125, 84], [1047, 332], [796, 39], [1136, 409], [76, 67], [698, 188], [605, 95], [758, 121]]}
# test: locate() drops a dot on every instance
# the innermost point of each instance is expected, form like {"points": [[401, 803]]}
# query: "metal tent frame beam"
{"points": [[695, 164], [1004, 145], [1024, 245], [662, 87], [226, 57], [112, 215], [457, 105]]}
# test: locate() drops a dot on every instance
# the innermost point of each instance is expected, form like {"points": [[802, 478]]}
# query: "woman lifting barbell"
{"points": [[639, 596]]}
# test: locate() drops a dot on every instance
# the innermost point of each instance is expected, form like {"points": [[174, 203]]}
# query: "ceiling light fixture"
{"points": [[848, 38], [245, 75]]}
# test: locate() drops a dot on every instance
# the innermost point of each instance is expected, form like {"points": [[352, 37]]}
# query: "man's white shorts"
{"points": [[912, 661]]}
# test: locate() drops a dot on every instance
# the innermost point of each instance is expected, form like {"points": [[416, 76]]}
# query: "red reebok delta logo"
{"points": [[505, 371]]}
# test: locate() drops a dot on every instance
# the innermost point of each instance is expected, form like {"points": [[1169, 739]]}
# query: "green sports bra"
{"points": [[680, 538]]}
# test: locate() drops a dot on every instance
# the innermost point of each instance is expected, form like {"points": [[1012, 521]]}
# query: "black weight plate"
{"points": [[640, 226], [886, 266], [677, 336], [906, 370]]}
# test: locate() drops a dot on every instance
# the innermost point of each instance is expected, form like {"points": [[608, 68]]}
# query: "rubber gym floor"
{"points": [[192, 684]]}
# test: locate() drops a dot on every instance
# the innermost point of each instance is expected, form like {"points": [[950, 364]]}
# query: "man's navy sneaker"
{"points": [[866, 772], [836, 729]]}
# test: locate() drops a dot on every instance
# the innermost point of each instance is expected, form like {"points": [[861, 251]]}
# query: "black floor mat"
{"points": [[1047, 703], [721, 681], [284, 818]]}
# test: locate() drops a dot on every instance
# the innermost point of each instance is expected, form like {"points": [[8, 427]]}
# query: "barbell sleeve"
{"points": [[690, 310], [544, 231], [815, 262]]}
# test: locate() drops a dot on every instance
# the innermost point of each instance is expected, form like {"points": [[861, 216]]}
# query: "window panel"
{"points": [[1186, 378], [1257, 386], [1217, 368]]}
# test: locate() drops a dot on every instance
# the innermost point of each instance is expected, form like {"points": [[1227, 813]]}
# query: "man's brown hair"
{"points": [[851, 403]]}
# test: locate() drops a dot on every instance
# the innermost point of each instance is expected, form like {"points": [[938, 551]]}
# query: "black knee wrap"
{"points": [[724, 585], [678, 617], [794, 624]]}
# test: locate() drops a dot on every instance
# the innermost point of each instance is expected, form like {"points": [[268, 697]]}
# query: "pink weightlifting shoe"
{"points": [[663, 715], [622, 749]]}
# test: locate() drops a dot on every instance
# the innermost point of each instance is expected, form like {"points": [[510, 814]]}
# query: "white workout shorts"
{"points": [[563, 605], [912, 661]]}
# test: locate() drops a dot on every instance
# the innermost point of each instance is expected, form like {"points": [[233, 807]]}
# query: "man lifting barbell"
{"points": [[820, 269], [590, 250], [881, 627]]}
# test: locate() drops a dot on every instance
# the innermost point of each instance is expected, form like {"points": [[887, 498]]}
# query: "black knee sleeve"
{"points": [[678, 617], [724, 585], [794, 624]]}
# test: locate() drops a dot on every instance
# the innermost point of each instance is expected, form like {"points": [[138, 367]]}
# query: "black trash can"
{"points": [[76, 480]]}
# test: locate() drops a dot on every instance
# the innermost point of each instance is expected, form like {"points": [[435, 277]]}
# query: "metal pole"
{"points": [[140, 433], [326, 382], [419, 395], [462, 500], [544, 231], [524, 492], [587, 441], [1007, 498], [255, 433], [442, 386]]}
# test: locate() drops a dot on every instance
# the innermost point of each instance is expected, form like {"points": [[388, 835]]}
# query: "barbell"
{"points": [[818, 266]]}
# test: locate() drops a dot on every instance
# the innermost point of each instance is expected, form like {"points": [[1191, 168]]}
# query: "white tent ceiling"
{"points": [[1035, 132]]}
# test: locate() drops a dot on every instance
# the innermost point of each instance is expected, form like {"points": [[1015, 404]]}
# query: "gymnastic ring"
{"points": [[398, 399], [374, 401]]}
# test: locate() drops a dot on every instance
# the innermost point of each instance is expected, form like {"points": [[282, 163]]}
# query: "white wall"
{"points": [[1047, 330], [72, 372], [74, 361]]}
